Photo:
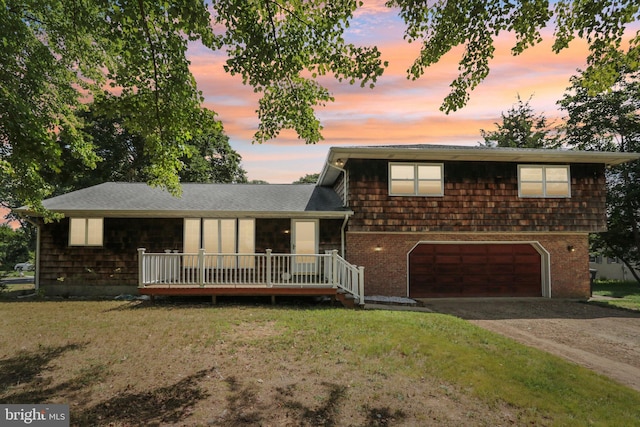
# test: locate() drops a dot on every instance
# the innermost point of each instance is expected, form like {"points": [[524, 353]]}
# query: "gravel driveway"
{"points": [[603, 339]]}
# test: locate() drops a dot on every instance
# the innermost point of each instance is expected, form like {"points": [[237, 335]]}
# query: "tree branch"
{"points": [[274, 34], [156, 89]]}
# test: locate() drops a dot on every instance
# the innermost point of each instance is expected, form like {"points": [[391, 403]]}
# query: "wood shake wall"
{"points": [[113, 267], [478, 196], [88, 270]]}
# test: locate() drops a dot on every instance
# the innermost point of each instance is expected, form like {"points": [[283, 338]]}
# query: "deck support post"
{"points": [[214, 299], [273, 300]]}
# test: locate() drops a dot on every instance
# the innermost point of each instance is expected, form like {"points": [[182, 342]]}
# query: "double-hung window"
{"points": [[86, 231], [544, 181], [416, 179]]}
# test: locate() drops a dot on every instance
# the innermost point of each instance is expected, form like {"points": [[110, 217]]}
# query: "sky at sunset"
{"points": [[397, 110]]}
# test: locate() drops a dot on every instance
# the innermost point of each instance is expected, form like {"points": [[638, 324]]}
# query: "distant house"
{"points": [[406, 220], [610, 268]]}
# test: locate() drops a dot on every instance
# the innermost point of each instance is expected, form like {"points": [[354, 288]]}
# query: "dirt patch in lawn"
{"points": [[605, 340], [123, 364]]}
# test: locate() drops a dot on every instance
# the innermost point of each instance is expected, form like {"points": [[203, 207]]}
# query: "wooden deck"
{"points": [[267, 274]]}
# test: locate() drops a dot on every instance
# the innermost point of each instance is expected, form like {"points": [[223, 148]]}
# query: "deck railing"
{"points": [[174, 269]]}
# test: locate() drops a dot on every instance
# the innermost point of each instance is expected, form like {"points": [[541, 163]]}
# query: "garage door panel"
{"points": [[475, 259], [467, 270], [448, 259], [472, 249], [499, 249], [447, 280], [500, 259], [526, 258], [473, 279], [444, 270], [527, 269], [447, 249], [504, 279]]}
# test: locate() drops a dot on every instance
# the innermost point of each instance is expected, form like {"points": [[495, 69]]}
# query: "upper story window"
{"points": [[86, 231], [544, 181], [416, 179]]}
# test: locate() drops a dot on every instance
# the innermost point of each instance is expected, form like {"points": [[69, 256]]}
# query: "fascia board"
{"points": [[197, 214]]}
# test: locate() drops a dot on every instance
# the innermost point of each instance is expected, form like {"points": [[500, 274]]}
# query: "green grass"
{"points": [[12, 273], [270, 365], [626, 294], [11, 288], [493, 368]]}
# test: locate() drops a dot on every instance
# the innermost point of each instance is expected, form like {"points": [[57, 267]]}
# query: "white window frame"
{"points": [[305, 261], [416, 180], [543, 181], [86, 231], [215, 239]]}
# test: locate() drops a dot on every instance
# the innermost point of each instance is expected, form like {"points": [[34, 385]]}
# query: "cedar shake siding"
{"points": [[112, 269], [275, 234], [478, 197]]}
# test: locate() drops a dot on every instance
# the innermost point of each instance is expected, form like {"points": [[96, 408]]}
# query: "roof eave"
{"points": [[340, 156], [194, 214]]}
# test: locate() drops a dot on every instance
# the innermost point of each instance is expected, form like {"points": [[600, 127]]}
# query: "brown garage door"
{"points": [[474, 270]]}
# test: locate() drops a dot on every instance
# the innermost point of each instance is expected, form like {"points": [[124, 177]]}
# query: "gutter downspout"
{"points": [[36, 275], [344, 204], [344, 225]]}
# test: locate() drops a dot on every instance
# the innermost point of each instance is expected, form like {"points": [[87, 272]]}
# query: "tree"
{"points": [[610, 121], [521, 128], [57, 53], [14, 247], [208, 156], [475, 24], [310, 178]]}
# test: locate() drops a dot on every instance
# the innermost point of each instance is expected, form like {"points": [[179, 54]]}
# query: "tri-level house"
{"points": [[422, 221]]}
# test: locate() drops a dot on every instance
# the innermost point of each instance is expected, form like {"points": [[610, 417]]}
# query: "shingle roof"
{"points": [[231, 199]]}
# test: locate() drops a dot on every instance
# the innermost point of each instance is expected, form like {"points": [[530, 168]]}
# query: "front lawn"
{"points": [[129, 363], [620, 294]]}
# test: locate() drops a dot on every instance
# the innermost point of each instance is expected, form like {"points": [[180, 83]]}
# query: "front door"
{"points": [[304, 242]]}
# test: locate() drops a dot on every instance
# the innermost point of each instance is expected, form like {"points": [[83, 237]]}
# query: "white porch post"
{"points": [[201, 267], [268, 269], [141, 267], [334, 268], [361, 285]]}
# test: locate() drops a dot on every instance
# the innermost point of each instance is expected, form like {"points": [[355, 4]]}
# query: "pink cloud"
{"points": [[3, 212], [397, 110]]}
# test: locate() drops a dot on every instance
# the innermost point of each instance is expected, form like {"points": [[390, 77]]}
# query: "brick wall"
{"points": [[386, 270]]}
